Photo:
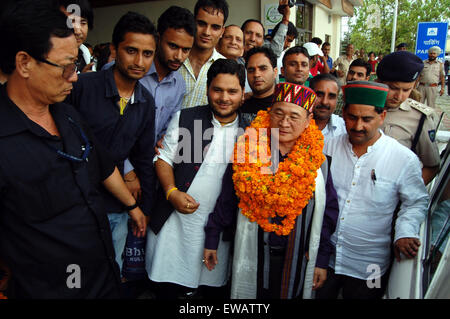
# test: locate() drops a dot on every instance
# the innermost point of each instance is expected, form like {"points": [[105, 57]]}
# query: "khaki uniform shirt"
{"points": [[431, 73], [402, 122]]}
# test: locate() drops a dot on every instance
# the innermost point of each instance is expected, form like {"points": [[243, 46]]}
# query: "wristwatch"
{"points": [[128, 208]]}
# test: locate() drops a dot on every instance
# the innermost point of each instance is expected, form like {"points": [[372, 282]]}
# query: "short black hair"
{"points": [[362, 63], [316, 40], [220, 5], [28, 25], [177, 18], [326, 44], [264, 50], [132, 22], [378, 109], [296, 50], [102, 52], [252, 20], [226, 66], [292, 30], [85, 7], [323, 77]]}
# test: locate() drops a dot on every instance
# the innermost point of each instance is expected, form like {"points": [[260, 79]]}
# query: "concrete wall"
{"points": [[240, 10], [323, 25], [105, 18]]}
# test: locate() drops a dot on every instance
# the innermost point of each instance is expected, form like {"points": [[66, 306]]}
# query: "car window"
{"points": [[440, 226], [438, 217]]}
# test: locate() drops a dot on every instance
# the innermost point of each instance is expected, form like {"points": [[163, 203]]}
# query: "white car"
{"points": [[428, 275]]}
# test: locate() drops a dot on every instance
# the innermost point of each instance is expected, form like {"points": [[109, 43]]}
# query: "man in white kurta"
{"points": [[175, 254], [372, 173], [175, 242]]}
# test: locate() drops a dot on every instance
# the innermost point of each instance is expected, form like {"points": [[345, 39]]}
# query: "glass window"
{"points": [[304, 20]]}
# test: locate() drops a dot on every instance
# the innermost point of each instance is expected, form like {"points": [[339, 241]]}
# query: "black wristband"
{"points": [[128, 208]]}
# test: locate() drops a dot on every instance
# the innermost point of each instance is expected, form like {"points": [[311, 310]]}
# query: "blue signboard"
{"points": [[430, 34]]}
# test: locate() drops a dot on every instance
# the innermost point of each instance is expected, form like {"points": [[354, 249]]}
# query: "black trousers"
{"points": [[352, 288], [276, 266], [171, 291]]}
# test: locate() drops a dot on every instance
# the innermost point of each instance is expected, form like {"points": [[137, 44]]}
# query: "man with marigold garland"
{"points": [[287, 203], [372, 173]]}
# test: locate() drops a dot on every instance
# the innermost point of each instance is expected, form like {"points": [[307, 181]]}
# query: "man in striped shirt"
{"points": [[210, 16]]}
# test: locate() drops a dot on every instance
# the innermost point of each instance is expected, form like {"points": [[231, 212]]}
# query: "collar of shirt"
{"points": [[13, 120], [430, 62], [378, 143], [216, 122], [112, 92], [331, 123], [170, 77], [214, 56]]}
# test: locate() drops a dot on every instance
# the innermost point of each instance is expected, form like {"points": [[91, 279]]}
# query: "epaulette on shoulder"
{"points": [[428, 111]]}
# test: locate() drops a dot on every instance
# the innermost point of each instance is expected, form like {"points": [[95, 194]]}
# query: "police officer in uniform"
{"points": [[411, 123], [430, 77]]}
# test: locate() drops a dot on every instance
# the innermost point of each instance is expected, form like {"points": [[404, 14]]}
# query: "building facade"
{"points": [[313, 18]]}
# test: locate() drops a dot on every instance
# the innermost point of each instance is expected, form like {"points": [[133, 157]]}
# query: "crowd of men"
{"points": [[140, 146]]}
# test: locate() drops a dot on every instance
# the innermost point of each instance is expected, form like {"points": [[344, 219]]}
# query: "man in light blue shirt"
{"points": [[372, 173], [176, 30]]}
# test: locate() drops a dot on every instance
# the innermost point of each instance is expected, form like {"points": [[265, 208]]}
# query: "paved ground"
{"points": [[443, 103], [443, 106]]}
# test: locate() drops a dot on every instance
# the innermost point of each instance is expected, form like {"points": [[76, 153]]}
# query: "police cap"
{"points": [[402, 66]]}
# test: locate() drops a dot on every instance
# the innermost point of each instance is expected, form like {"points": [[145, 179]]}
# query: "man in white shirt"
{"points": [[372, 173], [326, 87]]}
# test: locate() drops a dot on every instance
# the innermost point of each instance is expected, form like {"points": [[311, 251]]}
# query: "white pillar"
{"points": [[394, 27]]}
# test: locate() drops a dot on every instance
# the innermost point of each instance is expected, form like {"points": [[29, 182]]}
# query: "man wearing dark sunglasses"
{"points": [[54, 231]]}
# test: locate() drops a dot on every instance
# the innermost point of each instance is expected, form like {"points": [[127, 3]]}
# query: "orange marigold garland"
{"points": [[285, 193]]}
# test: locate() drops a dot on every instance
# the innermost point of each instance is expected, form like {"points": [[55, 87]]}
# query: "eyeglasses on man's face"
{"points": [[278, 115], [68, 69]]}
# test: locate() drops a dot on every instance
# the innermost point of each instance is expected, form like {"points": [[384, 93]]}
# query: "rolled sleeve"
{"points": [[170, 141], [414, 198], [277, 43]]}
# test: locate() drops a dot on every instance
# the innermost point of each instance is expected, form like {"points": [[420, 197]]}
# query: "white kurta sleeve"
{"points": [[414, 198], [170, 141]]}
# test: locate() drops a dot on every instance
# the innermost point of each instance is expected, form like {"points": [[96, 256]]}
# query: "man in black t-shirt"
{"points": [[261, 65]]}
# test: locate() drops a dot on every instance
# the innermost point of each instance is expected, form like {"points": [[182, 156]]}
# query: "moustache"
{"points": [[358, 132], [322, 107], [136, 69]]}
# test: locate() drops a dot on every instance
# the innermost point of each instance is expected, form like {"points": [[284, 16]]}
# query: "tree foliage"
{"points": [[365, 33]]}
